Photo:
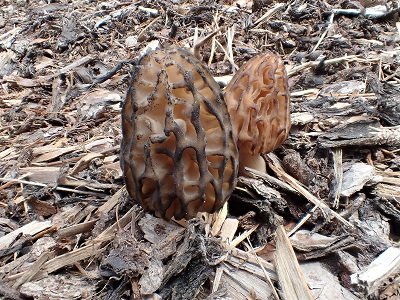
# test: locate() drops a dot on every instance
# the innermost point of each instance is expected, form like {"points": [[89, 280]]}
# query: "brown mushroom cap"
{"points": [[258, 103], [178, 153]]}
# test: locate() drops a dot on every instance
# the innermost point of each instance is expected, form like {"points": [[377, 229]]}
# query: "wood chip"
{"points": [[291, 277]]}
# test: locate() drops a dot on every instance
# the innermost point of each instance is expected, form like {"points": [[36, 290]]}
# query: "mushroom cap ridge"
{"points": [[178, 152], [258, 103]]}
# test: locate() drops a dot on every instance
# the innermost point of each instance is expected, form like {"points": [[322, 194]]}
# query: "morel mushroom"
{"points": [[258, 103], [178, 152]]}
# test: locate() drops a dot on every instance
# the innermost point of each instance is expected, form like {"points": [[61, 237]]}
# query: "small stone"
{"points": [[131, 41]]}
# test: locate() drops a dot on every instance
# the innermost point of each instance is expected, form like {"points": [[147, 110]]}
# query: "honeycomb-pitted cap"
{"points": [[258, 103], [178, 153]]}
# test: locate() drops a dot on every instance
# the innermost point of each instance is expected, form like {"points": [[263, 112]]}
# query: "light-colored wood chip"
{"points": [[291, 278]]}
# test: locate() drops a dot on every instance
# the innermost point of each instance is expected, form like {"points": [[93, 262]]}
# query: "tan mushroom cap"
{"points": [[178, 153], [258, 103]]}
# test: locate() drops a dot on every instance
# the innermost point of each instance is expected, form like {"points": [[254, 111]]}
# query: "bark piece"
{"points": [[323, 284], [384, 266]]}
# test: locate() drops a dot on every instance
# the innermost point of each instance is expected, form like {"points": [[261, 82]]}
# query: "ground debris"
{"points": [[69, 230]]}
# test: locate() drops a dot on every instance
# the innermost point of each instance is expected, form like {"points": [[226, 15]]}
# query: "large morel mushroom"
{"points": [[178, 152]]}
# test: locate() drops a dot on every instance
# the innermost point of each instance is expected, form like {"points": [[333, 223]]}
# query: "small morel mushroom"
{"points": [[258, 103], [178, 152]]}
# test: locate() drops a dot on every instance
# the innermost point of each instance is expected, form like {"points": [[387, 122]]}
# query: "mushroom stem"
{"points": [[254, 161]]}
